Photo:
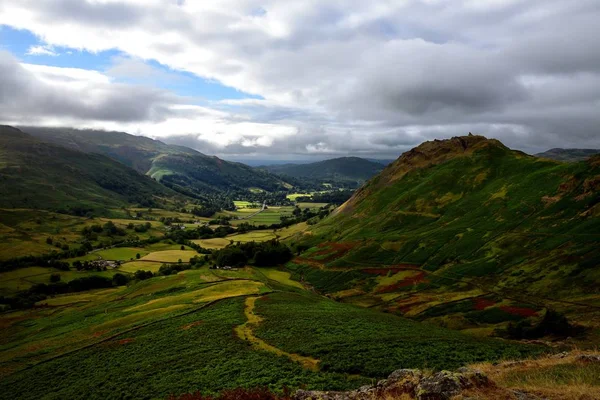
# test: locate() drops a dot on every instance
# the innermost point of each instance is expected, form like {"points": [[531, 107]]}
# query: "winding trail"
{"points": [[245, 332]]}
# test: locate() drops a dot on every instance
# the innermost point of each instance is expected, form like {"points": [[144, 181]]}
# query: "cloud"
{"points": [[41, 51], [349, 76]]}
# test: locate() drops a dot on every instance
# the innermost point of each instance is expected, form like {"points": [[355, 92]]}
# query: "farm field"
{"points": [[170, 256], [121, 253], [176, 334], [133, 266], [216, 243], [21, 279]]}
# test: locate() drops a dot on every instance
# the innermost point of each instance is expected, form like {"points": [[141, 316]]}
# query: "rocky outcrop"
{"points": [[442, 385]]}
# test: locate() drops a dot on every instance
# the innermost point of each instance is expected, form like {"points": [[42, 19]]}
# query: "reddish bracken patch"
{"points": [[126, 341], [99, 333], [418, 278], [333, 250], [520, 311], [190, 326], [482, 303]]}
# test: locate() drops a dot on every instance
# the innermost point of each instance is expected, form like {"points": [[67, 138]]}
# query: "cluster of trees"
{"points": [[332, 197], [46, 259], [41, 291], [553, 324], [108, 229], [260, 254], [140, 228]]}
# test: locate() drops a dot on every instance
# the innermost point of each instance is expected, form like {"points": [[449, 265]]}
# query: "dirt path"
{"points": [[245, 332]]}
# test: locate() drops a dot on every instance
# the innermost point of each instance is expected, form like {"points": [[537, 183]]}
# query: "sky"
{"points": [[306, 79]]}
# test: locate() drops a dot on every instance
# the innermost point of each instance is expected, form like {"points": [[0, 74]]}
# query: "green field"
{"points": [[133, 266], [178, 333], [217, 243], [170, 256], [121, 253]]}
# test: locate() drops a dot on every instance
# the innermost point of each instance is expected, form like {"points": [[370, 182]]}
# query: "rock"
{"points": [[441, 386], [588, 358], [564, 354], [474, 378], [399, 382]]}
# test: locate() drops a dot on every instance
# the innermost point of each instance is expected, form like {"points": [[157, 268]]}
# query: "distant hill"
{"points": [[464, 219], [183, 169], [568, 155], [35, 174], [342, 169]]}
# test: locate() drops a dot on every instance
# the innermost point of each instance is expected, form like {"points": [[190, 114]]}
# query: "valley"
{"points": [[460, 252]]}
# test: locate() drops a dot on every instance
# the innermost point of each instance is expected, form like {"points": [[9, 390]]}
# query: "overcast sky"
{"points": [[300, 79]]}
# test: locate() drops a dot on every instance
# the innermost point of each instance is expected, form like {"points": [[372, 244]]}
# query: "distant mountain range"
{"points": [[568, 155], [344, 169], [36, 174]]}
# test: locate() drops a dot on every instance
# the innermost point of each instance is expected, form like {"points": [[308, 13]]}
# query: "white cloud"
{"points": [[346, 75], [41, 51]]}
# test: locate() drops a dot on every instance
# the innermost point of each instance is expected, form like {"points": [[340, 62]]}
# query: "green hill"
{"points": [[35, 174], [568, 155], [464, 227], [344, 169], [181, 168]]}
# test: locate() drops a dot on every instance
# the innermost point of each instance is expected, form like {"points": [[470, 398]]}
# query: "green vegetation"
{"points": [[471, 216], [56, 178]]}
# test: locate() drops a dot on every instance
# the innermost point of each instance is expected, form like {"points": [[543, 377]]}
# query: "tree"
{"points": [[119, 279], [49, 240], [55, 278], [137, 256], [182, 247]]}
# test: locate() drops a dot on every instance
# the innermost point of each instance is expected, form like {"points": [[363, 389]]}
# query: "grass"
{"points": [[121, 253], [217, 243], [283, 277], [177, 355], [246, 332], [133, 266], [171, 256], [253, 236], [549, 377], [160, 350], [354, 340]]}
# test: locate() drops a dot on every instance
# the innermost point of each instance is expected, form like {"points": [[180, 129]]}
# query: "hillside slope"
{"points": [[34, 174], [568, 155], [344, 169], [465, 226], [183, 169]]}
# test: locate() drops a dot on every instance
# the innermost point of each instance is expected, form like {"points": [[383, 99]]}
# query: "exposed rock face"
{"points": [[440, 386]]}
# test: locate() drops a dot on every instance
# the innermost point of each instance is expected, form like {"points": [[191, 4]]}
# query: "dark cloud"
{"points": [[371, 78]]}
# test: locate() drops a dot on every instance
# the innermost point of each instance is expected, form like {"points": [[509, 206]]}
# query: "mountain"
{"points": [[35, 174], [568, 155], [465, 232], [342, 169], [180, 168]]}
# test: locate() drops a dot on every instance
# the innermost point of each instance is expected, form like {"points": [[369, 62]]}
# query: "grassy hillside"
{"points": [[34, 174], [211, 330], [465, 227], [181, 168], [344, 169], [568, 155]]}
